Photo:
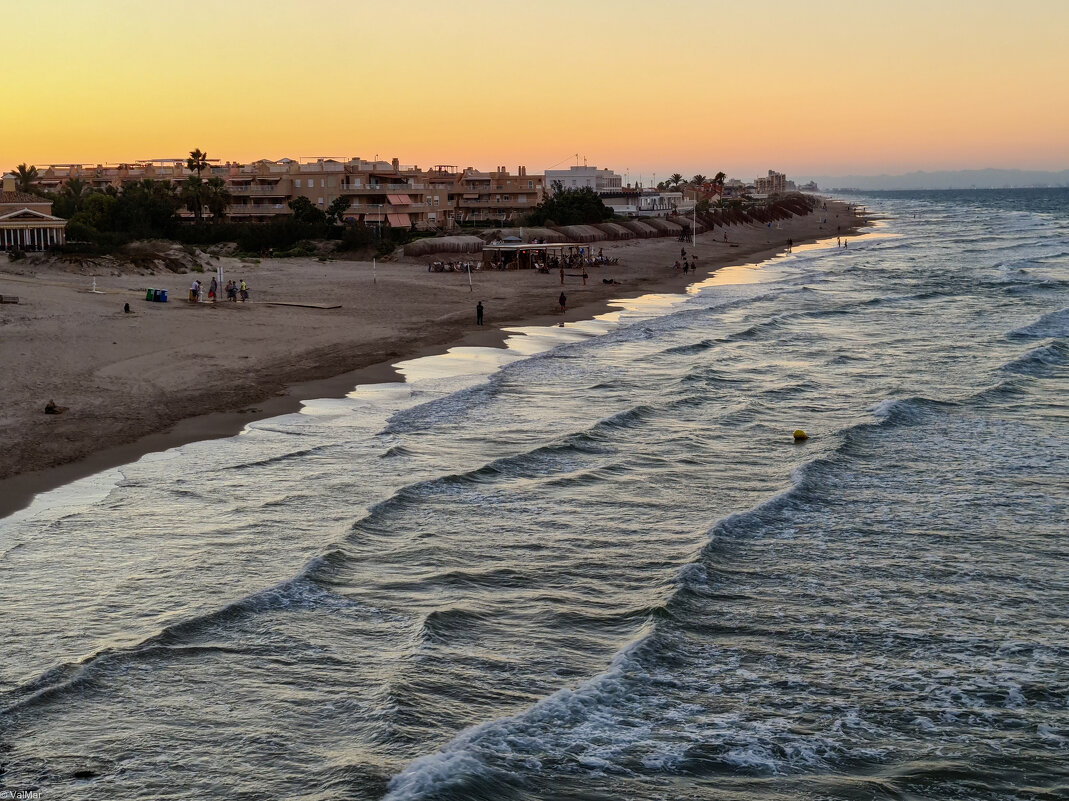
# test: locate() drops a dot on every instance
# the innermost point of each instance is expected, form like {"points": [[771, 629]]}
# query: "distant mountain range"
{"points": [[946, 179]]}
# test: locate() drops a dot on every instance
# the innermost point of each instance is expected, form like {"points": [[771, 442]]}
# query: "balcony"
{"points": [[255, 189], [386, 208], [261, 210]]}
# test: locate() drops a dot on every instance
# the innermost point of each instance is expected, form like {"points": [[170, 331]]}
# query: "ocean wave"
{"points": [[300, 592], [1041, 360], [1050, 325], [282, 457]]}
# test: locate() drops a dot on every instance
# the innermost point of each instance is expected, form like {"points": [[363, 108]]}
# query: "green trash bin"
{"points": [[150, 294]]}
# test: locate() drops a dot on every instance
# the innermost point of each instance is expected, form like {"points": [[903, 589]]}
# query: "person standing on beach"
{"points": [[563, 301], [213, 289], [244, 291], [479, 313]]}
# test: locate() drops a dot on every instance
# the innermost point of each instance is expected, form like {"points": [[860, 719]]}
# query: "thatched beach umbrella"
{"points": [[444, 244]]}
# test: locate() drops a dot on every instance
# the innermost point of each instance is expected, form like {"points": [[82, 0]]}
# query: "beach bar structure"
{"points": [[26, 221], [520, 256]]}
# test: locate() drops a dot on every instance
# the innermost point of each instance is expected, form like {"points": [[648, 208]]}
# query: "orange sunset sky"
{"points": [[641, 87]]}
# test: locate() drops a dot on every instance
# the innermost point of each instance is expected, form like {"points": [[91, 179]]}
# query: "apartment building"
{"points": [[378, 192], [495, 196], [775, 183], [601, 181]]}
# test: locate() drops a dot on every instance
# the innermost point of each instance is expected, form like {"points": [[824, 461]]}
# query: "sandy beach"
{"points": [[169, 373]]}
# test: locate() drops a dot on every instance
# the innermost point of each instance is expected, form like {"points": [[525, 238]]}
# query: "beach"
{"points": [[169, 373]]}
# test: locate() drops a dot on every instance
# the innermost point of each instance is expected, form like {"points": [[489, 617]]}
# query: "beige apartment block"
{"points": [[382, 193], [775, 183], [496, 196]]}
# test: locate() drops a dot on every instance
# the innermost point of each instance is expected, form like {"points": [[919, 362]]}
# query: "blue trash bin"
{"points": [[163, 296]]}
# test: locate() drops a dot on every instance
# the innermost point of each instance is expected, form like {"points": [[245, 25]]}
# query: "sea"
{"points": [[596, 564]]}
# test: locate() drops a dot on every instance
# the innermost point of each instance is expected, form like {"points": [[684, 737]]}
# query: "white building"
{"points": [[601, 181]]}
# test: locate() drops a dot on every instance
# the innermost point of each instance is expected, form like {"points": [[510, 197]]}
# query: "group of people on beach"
{"points": [[234, 289], [687, 265]]}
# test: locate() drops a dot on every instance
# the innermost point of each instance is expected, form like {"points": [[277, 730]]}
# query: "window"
{"points": [[530, 184], [297, 183], [506, 198], [322, 183], [320, 202], [436, 200]]}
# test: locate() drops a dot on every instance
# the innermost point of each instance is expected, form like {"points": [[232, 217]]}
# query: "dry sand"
{"points": [[170, 373]]}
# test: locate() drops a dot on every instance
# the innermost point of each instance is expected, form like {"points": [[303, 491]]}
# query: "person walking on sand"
{"points": [[244, 291], [563, 301], [479, 313], [212, 289]]}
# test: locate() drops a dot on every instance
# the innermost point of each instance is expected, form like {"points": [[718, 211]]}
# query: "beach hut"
{"points": [[640, 229], [444, 244], [663, 227], [615, 231], [581, 233]]}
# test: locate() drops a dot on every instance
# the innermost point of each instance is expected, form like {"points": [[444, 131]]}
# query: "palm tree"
{"points": [[194, 191], [197, 161], [216, 197], [719, 178], [675, 179], [25, 178], [75, 189], [698, 179]]}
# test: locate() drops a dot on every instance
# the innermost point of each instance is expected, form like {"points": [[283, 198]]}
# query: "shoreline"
{"points": [[272, 396]]}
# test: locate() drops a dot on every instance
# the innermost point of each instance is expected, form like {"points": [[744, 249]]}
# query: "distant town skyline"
{"points": [[687, 87]]}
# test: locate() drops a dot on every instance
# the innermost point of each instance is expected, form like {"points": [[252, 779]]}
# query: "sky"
{"points": [[644, 88]]}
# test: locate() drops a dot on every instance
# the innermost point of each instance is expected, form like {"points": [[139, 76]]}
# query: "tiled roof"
{"points": [[22, 197]]}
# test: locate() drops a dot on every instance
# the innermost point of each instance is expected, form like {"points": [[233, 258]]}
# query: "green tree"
{"points": [[145, 208], [193, 196], [336, 209], [217, 198], [570, 207], [26, 178], [305, 211], [675, 179], [719, 179], [97, 211], [698, 179], [702, 206], [68, 201]]}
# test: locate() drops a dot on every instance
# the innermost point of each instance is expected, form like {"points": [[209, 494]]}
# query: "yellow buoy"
{"points": [[799, 435]]}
